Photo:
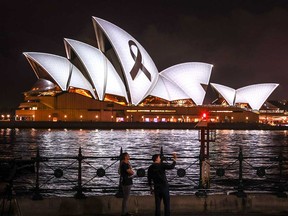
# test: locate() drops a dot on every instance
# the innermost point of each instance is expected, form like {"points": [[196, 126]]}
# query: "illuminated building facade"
{"points": [[118, 81], [254, 95]]}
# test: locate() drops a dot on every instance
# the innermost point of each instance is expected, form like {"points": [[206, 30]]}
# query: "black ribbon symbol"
{"points": [[138, 62]]}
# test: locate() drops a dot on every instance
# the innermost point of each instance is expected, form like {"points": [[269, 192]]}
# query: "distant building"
{"points": [[118, 81], [274, 113]]}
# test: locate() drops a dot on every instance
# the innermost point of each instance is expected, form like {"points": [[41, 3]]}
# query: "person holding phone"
{"points": [[157, 176]]}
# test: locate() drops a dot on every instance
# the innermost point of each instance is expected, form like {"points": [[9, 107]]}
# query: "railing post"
{"points": [[201, 191], [37, 195], [205, 136], [119, 193], [240, 189], [8, 192], [79, 194], [280, 189]]}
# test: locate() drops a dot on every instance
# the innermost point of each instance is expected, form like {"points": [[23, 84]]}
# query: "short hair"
{"points": [[155, 156]]}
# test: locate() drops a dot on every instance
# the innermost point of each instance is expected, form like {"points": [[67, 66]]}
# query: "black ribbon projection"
{"points": [[138, 62]]}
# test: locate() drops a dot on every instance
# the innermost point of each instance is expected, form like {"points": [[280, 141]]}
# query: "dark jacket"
{"points": [[156, 173]]}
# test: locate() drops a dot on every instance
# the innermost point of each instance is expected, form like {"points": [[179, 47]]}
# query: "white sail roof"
{"points": [[168, 90], [132, 73], [226, 92], [190, 77], [139, 69], [59, 70], [102, 74], [255, 95]]}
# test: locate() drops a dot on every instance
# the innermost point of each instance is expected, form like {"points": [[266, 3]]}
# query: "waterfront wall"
{"points": [[266, 204], [134, 125]]}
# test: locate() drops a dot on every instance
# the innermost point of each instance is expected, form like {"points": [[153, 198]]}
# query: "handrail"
{"points": [[69, 173]]}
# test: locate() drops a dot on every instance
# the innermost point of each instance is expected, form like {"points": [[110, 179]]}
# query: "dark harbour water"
{"points": [[102, 147]]}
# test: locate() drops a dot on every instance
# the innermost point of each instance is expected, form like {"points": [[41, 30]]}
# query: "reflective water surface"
{"points": [[23, 142], [103, 145]]}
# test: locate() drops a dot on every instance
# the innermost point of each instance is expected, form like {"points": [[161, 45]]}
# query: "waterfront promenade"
{"points": [[109, 205], [221, 204]]}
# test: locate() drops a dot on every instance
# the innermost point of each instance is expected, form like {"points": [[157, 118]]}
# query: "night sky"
{"points": [[246, 41]]}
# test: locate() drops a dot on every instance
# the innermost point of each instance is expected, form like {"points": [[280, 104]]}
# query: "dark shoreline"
{"points": [[134, 125]]}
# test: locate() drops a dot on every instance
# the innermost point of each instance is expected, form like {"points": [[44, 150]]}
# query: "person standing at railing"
{"points": [[157, 175], [126, 173]]}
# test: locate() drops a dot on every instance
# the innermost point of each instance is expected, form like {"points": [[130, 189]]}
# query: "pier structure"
{"points": [[205, 136]]}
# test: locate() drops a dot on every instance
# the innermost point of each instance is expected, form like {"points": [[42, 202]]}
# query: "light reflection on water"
{"points": [[23, 143], [139, 143]]}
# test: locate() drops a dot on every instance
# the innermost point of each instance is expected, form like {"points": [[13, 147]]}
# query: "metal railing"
{"points": [[82, 176]]}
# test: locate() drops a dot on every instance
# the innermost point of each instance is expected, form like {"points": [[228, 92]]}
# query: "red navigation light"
{"points": [[204, 116]]}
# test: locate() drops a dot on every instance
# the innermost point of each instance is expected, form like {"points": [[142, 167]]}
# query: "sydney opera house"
{"points": [[119, 82]]}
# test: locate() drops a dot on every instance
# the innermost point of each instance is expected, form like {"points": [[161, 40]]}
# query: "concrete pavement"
{"points": [[253, 204]]}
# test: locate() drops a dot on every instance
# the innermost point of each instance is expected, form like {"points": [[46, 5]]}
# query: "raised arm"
{"points": [[172, 165]]}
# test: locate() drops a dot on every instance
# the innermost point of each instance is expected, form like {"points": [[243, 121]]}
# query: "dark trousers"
{"points": [[162, 193]]}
